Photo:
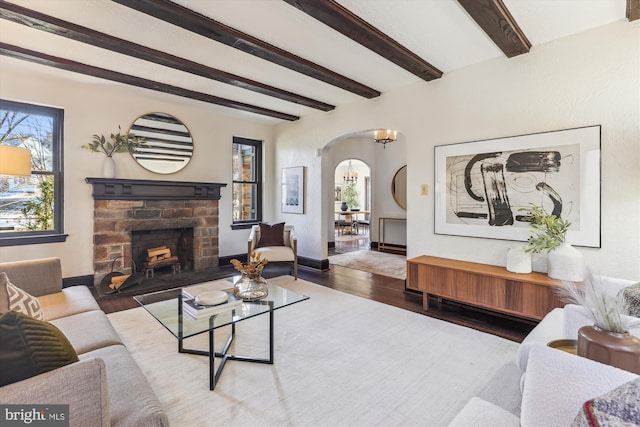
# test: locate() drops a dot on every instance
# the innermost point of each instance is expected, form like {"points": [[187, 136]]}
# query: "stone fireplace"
{"points": [[123, 207]]}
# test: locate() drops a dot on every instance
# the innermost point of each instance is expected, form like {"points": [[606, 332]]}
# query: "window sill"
{"points": [[244, 225], [32, 240]]}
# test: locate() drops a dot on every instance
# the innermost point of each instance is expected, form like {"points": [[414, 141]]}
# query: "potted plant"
{"points": [[117, 143], [608, 340], [251, 286], [548, 233], [350, 195]]}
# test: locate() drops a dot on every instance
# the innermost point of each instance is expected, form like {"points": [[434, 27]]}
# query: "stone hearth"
{"points": [[123, 206]]}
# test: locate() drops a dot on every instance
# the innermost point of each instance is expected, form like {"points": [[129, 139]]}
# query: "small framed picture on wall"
{"points": [[293, 190]]}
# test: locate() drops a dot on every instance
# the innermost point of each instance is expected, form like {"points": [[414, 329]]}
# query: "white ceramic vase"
{"points": [[518, 261], [108, 167], [566, 263]]}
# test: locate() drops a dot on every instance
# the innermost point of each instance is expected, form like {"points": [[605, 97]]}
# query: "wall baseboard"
{"points": [[86, 280], [316, 264]]}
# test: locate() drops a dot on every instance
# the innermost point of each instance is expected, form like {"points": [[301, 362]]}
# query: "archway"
{"points": [[383, 162], [352, 206]]}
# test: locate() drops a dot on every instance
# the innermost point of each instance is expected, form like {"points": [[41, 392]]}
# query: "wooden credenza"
{"points": [[525, 295]]}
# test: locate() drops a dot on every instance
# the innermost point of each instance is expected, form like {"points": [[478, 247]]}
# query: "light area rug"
{"points": [[340, 360], [385, 264]]}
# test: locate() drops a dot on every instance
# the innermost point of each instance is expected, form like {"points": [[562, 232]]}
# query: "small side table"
{"points": [[567, 345]]}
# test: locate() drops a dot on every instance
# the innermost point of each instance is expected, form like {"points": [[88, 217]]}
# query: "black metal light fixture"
{"points": [[350, 176]]}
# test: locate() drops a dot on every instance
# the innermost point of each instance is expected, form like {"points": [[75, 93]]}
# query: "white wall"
{"points": [[98, 107], [590, 78], [586, 79]]}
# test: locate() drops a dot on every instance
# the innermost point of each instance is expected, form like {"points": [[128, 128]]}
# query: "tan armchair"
{"points": [[272, 248]]}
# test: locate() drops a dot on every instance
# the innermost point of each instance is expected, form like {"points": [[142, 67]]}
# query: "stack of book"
{"points": [[197, 311]]}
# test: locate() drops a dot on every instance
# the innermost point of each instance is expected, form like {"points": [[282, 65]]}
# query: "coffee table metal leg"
{"points": [[214, 374]]}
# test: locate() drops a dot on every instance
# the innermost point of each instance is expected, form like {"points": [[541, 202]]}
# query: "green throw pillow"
{"points": [[31, 347]]}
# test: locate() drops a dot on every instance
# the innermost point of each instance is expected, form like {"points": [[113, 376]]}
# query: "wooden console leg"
{"points": [[425, 301]]}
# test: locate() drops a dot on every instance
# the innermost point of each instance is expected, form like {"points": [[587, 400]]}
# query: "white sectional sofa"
{"points": [[555, 384]]}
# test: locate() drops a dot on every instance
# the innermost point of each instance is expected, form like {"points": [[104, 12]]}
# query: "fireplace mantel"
{"points": [[139, 189]]}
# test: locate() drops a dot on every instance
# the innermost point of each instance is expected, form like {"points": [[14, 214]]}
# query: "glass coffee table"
{"points": [[167, 308]]}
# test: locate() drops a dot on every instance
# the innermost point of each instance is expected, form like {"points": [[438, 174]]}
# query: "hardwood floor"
{"points": [[383, 289]]}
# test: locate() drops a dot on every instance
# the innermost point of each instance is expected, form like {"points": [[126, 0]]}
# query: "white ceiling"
{"points": [[439, 31]]}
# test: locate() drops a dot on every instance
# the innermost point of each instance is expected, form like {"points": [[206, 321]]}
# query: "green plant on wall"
{"points": [[117, 143], [548, 231], [39, 211], [350, 195]]}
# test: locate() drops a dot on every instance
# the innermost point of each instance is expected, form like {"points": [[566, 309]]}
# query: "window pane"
{"points": [[27, 203], [31, 131], [244, 202], [244, 162]]}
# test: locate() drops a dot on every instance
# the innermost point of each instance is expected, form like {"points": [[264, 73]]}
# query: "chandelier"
{"points": [[385, 136], [350, 176]]}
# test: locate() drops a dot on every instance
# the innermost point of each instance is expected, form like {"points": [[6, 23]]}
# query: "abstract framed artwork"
{"points": [[293, 190], [481, 187]]}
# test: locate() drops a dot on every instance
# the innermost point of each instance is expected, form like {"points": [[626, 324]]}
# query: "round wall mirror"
{"points": [[168, 147], [399, 187]]}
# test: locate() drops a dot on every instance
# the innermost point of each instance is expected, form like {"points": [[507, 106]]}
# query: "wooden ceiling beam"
{"points": [[349, 24], [40, 21], [77, 67], [190, 20], [633, 10], [496, 21]]}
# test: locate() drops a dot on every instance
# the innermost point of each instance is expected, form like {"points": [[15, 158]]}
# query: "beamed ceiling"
{"points": [[274, 60]]}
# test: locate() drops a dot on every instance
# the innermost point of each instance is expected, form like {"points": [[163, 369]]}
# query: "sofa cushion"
{"points": [[20, 300], [631, 296], [271, 235], [88, 331], [617, 407], [276, 253], [558, 383], [38, 276], [31, 347], [549, 329], [69, 301], [82, 385], [131, 399]]}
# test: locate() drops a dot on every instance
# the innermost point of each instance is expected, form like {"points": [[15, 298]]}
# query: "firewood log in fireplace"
{"points": [[117, 281], [159, 256]]}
